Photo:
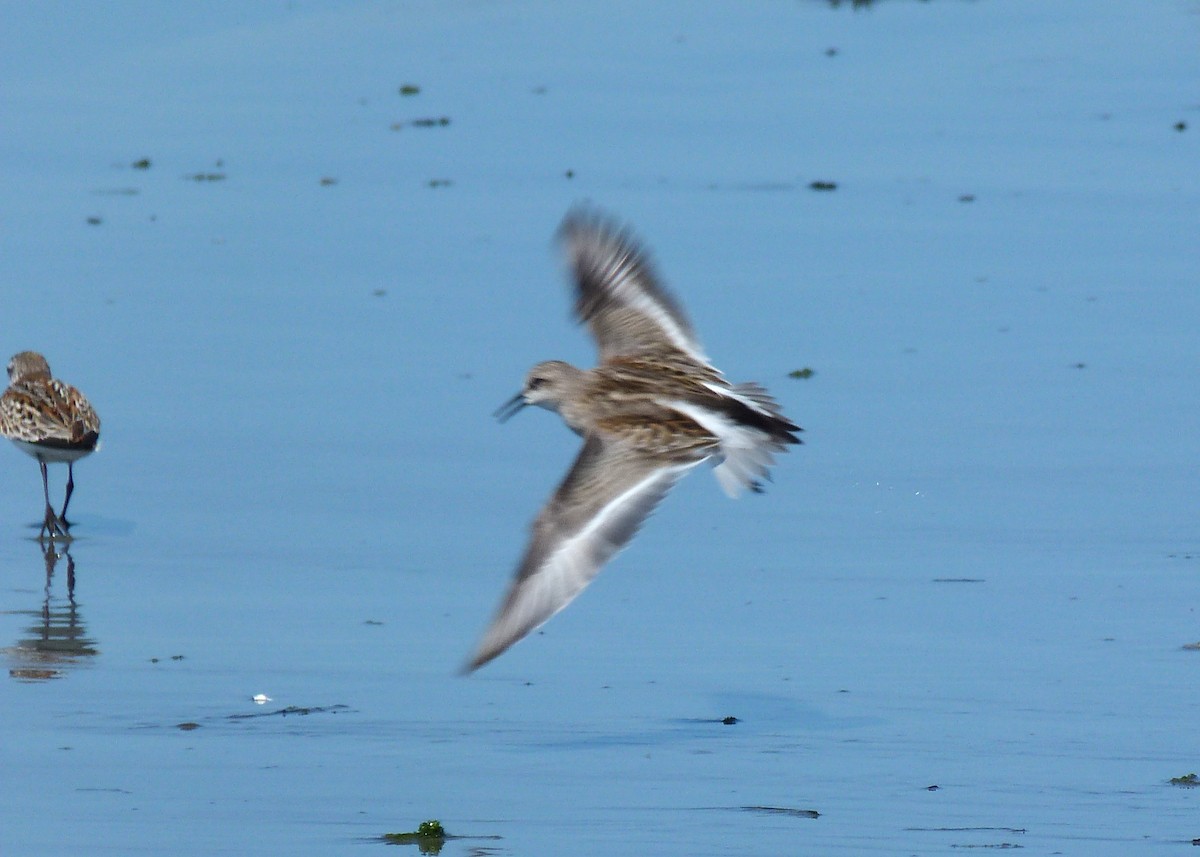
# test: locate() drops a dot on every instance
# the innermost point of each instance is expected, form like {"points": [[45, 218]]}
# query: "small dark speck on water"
{"points": [[409, 89], [1079, 365], [933, 788], [435, 183], [570, 174], [729, 721], [1180, 126], [822, 185], [372, 622], [1191, 647], [967, 197], [326, 181], [94, 220], [188, 727], [142, 164], [1187, 781], [831, 52]]}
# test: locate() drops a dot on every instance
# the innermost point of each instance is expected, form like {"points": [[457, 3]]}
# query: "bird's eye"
{"points": [[534, 383]]}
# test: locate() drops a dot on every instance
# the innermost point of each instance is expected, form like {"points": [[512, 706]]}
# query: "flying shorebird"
{"points": [[652, 410], [51, 421]]}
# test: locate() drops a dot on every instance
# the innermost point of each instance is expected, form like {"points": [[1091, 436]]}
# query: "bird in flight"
{"points": [[652, 410]]}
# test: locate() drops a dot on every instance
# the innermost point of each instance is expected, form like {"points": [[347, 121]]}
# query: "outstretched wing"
{"points": [[617, 293], [608, 493]]}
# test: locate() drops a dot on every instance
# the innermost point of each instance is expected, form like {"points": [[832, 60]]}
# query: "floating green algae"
{"points": [[429, 837]]}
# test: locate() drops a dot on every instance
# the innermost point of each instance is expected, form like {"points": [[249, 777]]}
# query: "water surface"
{"points": [[296, 305]]}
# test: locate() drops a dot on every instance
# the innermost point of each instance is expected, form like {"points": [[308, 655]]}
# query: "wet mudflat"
{"points": [[955, 239]]}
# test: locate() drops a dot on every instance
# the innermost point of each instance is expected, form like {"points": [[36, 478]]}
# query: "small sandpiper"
{"points": [[652, 410], [51, 421]]}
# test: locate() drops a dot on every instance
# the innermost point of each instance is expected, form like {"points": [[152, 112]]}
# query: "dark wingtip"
{"points": [[580, 216], [584, 218], [87, 442], [477, 660]]}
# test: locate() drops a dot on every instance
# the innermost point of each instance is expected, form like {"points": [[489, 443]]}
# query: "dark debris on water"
{"points": [[424, 122], [429, 837], [783, 810], [298, 710]]}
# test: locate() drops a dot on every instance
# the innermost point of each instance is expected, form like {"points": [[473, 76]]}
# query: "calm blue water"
{"points": [[980, 572]]}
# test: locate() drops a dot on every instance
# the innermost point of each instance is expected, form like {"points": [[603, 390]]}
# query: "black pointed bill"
{"points": [[509, 408]]}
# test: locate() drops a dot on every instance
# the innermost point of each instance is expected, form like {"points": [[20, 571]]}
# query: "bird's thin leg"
{"points": [[48, 517], [70, 491], [50, 525]]}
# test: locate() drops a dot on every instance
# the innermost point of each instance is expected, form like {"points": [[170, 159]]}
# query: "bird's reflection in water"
{"points": [[57, 639]]}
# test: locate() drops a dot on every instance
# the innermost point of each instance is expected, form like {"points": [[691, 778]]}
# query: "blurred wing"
{"points": [[604, 499], [618, 295]]}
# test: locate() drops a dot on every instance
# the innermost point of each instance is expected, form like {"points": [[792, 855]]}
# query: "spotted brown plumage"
{"points": [[49, 420]]}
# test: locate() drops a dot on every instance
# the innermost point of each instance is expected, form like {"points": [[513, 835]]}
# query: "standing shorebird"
{"points": [[49, 420], [651, 411]]}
